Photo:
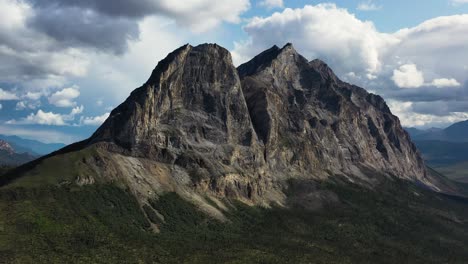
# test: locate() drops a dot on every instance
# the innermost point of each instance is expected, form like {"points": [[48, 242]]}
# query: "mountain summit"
{"points": [[200, 127]]}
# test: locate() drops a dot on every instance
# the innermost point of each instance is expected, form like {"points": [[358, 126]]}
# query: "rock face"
{"points": [[201, 127], [191, 114], [311, 123]]}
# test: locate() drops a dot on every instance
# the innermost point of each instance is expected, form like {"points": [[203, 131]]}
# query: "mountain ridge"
{"points": [[457, 132], [9, 156], [33, 147], [199, 126]]}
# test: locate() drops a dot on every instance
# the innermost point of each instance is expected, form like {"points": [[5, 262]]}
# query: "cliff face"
{"points": [[201, 127], [191, 115], [313, 124]]}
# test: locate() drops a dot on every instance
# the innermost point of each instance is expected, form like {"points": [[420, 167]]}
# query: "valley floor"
{"points": [[397, 223]]}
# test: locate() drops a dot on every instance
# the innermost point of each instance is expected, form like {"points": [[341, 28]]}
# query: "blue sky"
{"points": [[67, 64]]}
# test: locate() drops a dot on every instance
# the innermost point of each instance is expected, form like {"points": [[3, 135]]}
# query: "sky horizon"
{"points": [[67, 64]]}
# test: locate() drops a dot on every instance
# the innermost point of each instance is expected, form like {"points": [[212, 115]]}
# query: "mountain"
{"points": [[444, 149], [275, 161], [457, 132], [449, 158], [210, 128], [439, 153], [10, 157], [33, 147], [414, 132]]}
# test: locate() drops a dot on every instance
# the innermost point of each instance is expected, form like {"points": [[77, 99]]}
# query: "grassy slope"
{"points": [[449, 158], [442, 153], [399, 223], [457, 172]]}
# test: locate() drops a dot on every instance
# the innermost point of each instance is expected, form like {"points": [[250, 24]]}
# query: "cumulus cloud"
{"points": [[408, 76], [33, 95], [74, 27], [368, 5], [45, 118], [270, 4], [6, 95], [94, 121], [444, 82], [199, 15], [65, 97], [409, 118], [48, 118], [322, 31], [28, 54], [22, 105]]}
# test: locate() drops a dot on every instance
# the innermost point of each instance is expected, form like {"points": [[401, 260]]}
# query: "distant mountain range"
{"points": [[9, 157], [34, 147], [16, 151], [446, 150], [457, 132]]}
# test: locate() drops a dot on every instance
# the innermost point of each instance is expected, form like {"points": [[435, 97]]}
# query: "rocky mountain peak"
{"points": [[284, 114], [172, 60], [199, 127], [5, 146], [273, 56], [305, 104]]}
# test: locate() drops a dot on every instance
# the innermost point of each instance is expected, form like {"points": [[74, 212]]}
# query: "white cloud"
{"points": [[94, 121], [75, 111], [368, 5], [48, 118], [270, 4], [203, 15], [31, 56], [13, 14], [6, 95], [444, 82], [21, 105], [33, 95], [323, 31], [408, 76], [408, 118], [65, 97], [41, 118], [1, 106]]}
